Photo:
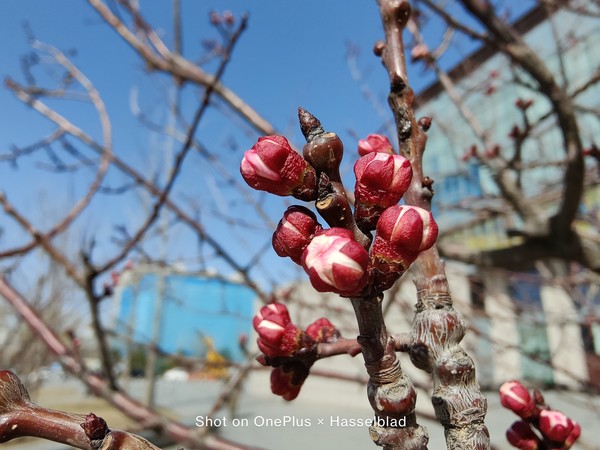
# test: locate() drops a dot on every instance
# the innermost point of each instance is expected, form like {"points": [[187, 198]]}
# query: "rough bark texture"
{"points": [[437, 328]]}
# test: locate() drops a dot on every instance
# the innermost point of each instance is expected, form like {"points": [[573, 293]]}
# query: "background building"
{"points": [[551, 334], [178, 311]]}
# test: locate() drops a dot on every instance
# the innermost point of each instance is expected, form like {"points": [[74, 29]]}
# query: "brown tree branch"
{"points": [[178, 432], [174, 64], [75, 131], [179, 159], [437, 327]]}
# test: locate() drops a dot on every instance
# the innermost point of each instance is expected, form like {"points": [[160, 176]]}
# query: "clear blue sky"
{"points": [[292, 54]]}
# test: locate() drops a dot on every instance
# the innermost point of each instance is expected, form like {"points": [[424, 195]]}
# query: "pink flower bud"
{"points": [[375, 143], [335, 262], [402, 232], [272, 165], [322, 330], [287, 343], [294, 232], [555, 426], [514, 396], [521, 435], [287, 380], [573, 436], [277, 335], [381, 178], [407, 228]]}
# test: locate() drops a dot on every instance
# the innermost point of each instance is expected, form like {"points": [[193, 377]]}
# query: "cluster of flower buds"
{"points": [[290, 350], [339, 259], [277, 335], [556, 430], [226, 18]]}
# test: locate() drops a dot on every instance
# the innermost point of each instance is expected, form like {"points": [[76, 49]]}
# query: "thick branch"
{"points": [[178, 432], [437, 328]]}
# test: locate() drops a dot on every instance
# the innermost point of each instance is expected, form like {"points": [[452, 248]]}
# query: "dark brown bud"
{"points": [[323, 150], [378, 48], [95, 427], [309, 125]]}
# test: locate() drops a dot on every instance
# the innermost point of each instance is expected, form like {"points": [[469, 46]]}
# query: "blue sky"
{"points": [[292, 54]]}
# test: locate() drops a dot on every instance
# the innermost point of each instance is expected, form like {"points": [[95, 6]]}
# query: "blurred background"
{"points": [[126, 225]]}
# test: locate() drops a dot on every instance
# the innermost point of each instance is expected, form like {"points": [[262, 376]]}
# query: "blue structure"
{"points": [[193, 307]]}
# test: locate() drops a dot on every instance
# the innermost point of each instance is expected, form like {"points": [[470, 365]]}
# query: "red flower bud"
{"points": [[555, 426], [470, 153], [523, 104], [322, 330], [402, 232], [521, 435], [493, 151], [381, 179], [287, 380], [335, 262], [515, 132], [425, 122], [277, 335], [407, 228], [514, 396], [272, 165], [375, 143], [573, 436], [294, 232]]}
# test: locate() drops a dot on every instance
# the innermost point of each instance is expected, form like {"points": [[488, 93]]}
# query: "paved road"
{"points": [[321, 417]]}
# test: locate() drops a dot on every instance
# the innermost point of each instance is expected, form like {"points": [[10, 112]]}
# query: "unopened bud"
{"points": [[555, 426], [407, 228], [375, 143], [523, 104], [573, 436], [287, 380], [521, 436], [277, 335], [425, 123], [335, 262], [322, 330], [514, 396], [381, 178], [272, 165], [294, 232]]}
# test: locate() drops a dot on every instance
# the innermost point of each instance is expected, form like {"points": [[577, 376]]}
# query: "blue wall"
{"points": [[193, 307]]}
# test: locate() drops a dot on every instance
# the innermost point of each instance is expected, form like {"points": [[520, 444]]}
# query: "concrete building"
{"points": [[530, 326], [179, 311]]}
